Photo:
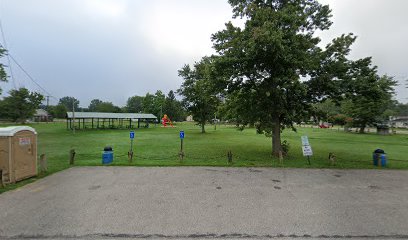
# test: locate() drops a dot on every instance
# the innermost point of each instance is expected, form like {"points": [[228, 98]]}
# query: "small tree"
{"points": [[21, 104], [198, 91], [3, 74]]}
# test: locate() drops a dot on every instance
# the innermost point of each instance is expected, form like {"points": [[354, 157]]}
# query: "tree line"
{"points": [[21, 105], [157, 104]]}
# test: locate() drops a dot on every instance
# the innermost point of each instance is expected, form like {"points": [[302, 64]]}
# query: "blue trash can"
{"points": [[107, 155], [383, 158], [379, 158]]}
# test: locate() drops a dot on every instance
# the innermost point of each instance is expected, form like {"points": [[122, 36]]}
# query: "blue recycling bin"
{"points": [[107, 155], [379, 158]]}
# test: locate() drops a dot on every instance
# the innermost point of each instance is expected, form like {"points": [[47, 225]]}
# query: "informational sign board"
{"points": [[306, 148], [307, 151], [305, 141], [181, 134], [24, 141], [132, 135]]}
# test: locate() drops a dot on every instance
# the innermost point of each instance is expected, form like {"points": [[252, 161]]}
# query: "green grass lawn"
{"points": [[159, 146]]}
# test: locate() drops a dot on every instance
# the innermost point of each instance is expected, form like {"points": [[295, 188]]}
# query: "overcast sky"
{"points": [[114, 49]]}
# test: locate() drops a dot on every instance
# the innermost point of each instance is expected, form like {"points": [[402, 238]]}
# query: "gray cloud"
{"points": [[112, 50]]}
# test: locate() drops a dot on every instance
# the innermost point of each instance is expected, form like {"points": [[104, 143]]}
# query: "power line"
{"points": [[30, 77], [8, 57]]}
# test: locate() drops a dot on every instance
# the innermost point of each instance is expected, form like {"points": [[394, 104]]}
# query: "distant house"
{"points": [[399, 121], [41, 115], [190, 118]]}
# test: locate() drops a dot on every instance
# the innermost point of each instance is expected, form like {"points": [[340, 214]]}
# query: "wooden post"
{"points": [[229, 156], [71, 156], [332, 159], [280, 157], [130, 156], [73, 116], [181, 154], [43, 164], [1, 178]]}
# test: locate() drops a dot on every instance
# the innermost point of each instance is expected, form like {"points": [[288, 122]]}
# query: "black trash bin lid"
{"points": [[379, 151], [107, 148]]}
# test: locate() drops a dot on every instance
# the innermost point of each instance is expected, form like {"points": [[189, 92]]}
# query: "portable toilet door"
{"points": [[20, 160]]}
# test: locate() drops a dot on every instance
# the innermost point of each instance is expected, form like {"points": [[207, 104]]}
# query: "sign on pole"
{"points": [[307, 151], [130, 153], [306, 148], [181, 153], [305, 141]]}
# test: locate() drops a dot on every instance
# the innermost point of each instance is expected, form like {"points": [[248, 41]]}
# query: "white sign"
{"points": [[24, 141], [307, 151], [305, 141]]}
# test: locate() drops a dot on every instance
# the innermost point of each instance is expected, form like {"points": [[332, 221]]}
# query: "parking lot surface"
{"points": [[208, 202]]}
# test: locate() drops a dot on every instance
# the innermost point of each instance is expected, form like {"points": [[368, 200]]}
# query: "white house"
{"points": [[399, 121]]}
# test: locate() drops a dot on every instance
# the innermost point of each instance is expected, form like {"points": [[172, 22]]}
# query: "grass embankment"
{"points": [[158, 146]]}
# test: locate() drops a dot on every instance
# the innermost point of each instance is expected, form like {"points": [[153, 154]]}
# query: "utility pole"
{"points": [[48, 101], [73, 115]]}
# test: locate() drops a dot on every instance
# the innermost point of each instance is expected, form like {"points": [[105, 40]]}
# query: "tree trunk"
{"points": [[276, 137], [202, 128], [362, 129]]}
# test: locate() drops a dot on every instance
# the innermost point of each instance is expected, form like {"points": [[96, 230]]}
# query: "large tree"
{"points": [[68, 102], [134, 104], [21, 104], [107, 107], [198, 91], [58, 111], [94, 104], [266, 59], [173, 108], [158, 102], [368, 94], [148, 104]]}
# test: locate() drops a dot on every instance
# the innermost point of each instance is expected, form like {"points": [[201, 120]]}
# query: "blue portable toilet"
{"points": [[379, 158], [107, 155]]}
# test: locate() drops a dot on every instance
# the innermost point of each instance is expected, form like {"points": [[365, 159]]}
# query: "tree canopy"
{"points": [[3, 74], [134, 104], [173, 108], [20, 105], [68, 102], [198, 91], [265, 59]]}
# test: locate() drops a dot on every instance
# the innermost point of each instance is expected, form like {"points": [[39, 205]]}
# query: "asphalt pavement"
{"points": [[207, 203]]}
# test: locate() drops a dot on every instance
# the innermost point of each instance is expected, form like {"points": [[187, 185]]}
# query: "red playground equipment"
{"points": [[166, 120]]}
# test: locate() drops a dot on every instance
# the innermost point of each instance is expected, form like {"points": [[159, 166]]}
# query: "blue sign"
{"points": [[181, 134], [132, 135]]}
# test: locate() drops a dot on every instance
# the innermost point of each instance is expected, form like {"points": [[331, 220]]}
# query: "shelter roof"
{"points": [[103, 115]]}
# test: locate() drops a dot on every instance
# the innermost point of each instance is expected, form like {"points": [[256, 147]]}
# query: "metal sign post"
{"points": [[181, 154], [130, 153]]}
